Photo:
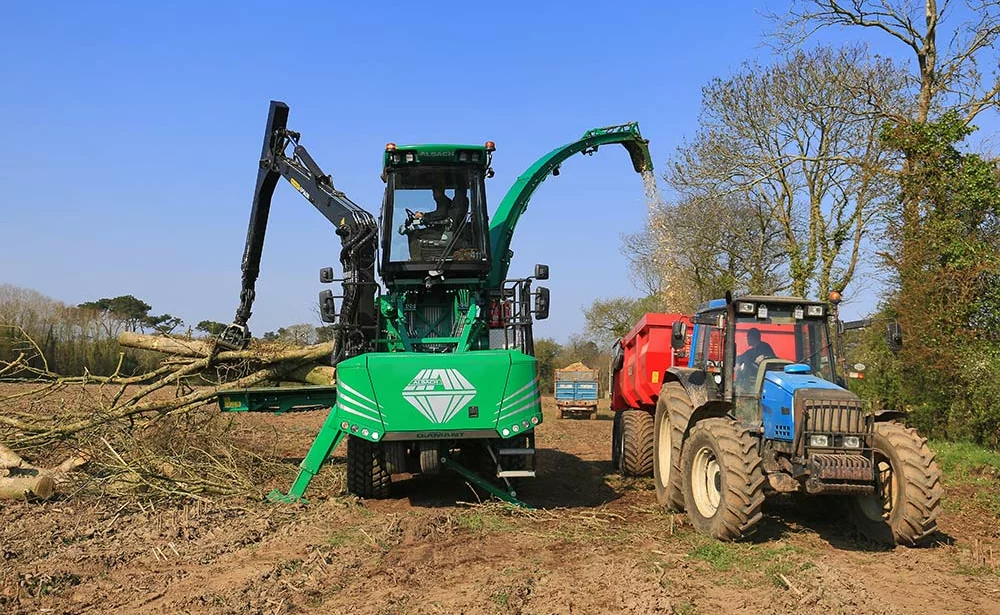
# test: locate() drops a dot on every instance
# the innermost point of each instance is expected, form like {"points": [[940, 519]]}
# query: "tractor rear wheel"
{"points": [[637, 443], [673, 409], [367, 471], [723, 479], [904, 508]]}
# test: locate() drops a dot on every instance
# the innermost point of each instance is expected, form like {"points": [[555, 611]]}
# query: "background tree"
{"points": [[948, 77], [117, 312], [794, 152], [609, 319], [210, 327], [942, 234], [546, 352]]}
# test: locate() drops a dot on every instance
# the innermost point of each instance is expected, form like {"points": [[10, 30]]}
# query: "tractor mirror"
{"points": [[326, 275], [894, 336], [541, 272], [541, 303], [678, 334], [327, 306]]}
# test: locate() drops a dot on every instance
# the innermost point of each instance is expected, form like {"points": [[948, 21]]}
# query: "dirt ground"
{"points": [[594, 544]]}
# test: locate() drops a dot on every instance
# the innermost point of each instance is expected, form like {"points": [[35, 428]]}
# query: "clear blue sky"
{"points": [[132, 132]]}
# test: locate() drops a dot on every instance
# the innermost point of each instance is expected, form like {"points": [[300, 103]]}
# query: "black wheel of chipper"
{"points": [[637, 443], [723, 479], [367, 472], [905, 506], [430, 458], [616, 442], [673, 409]]}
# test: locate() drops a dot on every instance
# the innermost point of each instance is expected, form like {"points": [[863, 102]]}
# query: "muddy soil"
{"points": [[594, 544]]}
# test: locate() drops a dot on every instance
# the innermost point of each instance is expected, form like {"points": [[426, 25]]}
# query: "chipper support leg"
{"points": [[477, 480], [330, 435]]}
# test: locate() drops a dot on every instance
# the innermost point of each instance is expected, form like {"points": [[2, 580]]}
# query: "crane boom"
{"points": [[356, 322]]}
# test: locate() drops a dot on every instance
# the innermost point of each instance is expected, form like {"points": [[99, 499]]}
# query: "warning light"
{"points": [[390, 147], [491, 146]]}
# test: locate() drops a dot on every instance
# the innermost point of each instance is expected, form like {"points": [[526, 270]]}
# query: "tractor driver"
{"points": [[758, 350], [746, 363]]}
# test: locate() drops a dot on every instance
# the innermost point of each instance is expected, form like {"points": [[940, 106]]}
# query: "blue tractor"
{"points": [[761, 409]]}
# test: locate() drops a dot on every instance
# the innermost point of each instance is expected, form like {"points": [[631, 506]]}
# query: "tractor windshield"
{"points": [[776, 335], [436, 216]]}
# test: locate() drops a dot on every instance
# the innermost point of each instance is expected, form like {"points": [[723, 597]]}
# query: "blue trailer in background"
{"points": [[576, 391]]}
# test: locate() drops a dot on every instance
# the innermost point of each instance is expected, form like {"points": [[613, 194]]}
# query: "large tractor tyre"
{"points": [[723, 479], [673, 410], [367, 472], [616, 442], [905, 506], [637, 443]]}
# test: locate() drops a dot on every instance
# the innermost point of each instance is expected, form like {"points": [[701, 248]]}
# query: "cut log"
{"points": [[19, 487], [10, 459], [324, 375], [168, 345]]}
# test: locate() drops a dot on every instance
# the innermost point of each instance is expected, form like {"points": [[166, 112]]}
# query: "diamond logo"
{"points": [[439, 393]]}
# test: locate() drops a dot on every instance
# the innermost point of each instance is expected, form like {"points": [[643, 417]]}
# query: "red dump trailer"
{"points": [[639, 362]]}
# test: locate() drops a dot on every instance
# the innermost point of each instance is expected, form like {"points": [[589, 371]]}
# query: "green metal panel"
{"points": [[427, 393], [515, 202], [277, 399]]}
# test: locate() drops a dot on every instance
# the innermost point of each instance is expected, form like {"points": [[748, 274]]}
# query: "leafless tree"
{"points": [[798, 145], [961, 74]]}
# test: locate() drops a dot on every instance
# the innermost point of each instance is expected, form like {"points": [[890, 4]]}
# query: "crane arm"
{"points": [[355, 227], [515, 202]]}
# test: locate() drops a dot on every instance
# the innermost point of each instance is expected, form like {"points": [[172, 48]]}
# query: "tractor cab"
{"points": [[434, 217], [769, 334]]}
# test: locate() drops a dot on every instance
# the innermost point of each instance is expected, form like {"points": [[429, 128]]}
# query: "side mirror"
{"points": [[541, 303], [326, 275], [894, 336], [327, 306], [678, 334], [541, 272]]}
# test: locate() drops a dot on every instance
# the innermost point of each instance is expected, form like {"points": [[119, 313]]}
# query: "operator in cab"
{"points": [[748, 362], [453, 209], [758, 350]]}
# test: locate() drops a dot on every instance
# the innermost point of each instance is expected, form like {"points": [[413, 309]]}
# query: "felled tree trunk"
{"points": [[167, 345], [309, 373]]}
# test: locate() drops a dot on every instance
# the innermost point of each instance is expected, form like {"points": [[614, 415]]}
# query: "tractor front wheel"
{"points": [[904, 508], [673, 409], [723, 479], [368, 474]]}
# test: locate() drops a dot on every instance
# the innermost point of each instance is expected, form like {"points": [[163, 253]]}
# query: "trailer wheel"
{"points": [[637, 443], [367, 472], [616, 442], [723, 479], [904, 508], [673, 409]]}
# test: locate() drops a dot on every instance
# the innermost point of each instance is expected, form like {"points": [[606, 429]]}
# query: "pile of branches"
{"points": [[157, 433]]}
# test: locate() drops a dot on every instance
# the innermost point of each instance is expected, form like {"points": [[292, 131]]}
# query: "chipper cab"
{"points": [[434, 365], [761, 409]]}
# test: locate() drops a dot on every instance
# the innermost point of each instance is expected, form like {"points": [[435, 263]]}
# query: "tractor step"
{"points": [[527, 452], [516, 474]]}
